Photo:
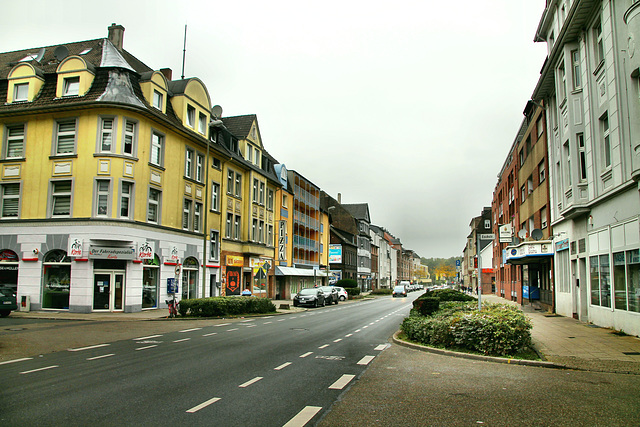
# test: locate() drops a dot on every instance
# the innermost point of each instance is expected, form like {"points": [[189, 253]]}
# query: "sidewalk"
{"points": [[570, 343]]}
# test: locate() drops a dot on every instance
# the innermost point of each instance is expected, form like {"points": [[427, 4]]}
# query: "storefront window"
{"points": [[56, 280], [633, 280], [189, 278], [150, 273], [595, 280], [605, 281], [619, 281]]}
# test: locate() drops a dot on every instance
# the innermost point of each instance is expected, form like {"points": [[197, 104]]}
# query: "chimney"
{"points": [[168, 74], [116, 35], [339, 198]]}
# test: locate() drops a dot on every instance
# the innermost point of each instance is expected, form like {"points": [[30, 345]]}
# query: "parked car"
{"points": [[330, 294], [342, 293], [309, 296], [8, 301], [399, 291]]}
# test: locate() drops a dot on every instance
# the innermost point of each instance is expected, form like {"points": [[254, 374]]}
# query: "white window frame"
{"points": [[238, 190], [202, 123], [71, 86], [270, 199], [130, 136], [582, 158], [157, 148], [237, 232], [188, 162], [576, 71], [20, 92], [128, 197], [158, 100], [261, 193], [66, 133], [255, 190], [156, 203], [229, 226], [187, 212], [214, 245], [10, 201], [15, 143], [605, 133], [102, 198], [199, 167], [215, 196], [231, 176], [191, 116], [108, 133], [197, 217], [60, 195]]}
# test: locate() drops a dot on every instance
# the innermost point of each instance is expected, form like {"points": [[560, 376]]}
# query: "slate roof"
{"points": [[240, 126], [359, 211]]}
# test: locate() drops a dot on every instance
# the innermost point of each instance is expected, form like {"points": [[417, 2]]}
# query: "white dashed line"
{"points": [[348, 335], [324, 346], [87, 348], [209, 334], [248, 383], [307, 354], [183, 339], [15, 360], [342, 382], [40, 369], [232, 329], [357, 330], [203, 405], [100, 357], [303, 417], [284, 365], [266, 323], [144, 348], [146, 338], [190, 330], [222, 324], [338, 340], [366, 360]]}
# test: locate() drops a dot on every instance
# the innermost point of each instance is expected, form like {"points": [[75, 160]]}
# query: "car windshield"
{"points": [[399, 288], [308, 292]]}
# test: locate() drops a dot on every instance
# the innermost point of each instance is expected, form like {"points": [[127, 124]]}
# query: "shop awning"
{"points": [[529, 252], [292, 271]]}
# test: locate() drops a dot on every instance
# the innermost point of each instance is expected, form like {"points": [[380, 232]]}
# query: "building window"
{"points": [[523, 194], [10, 200], [238, 185], [191, 117], [562, 81], [249, 155], [257, 157], [521, 155], [214, 245], [150, 282], [626, 274], [284, 201], [230, 181], [254, 230], [229, 230], [261, 231], [61, 198], [542, 172], [14, 142], [236, 227], [215, 163], [21, 92], [261, 193], [270, 199], [539, 127], [582, 157], [106, 135], [65, 137], [269, 241], [202, 124], [102, 197], [130, 137], [71, 86], [215, 196], [157, 149], [255, 190], [529, 186], [126, 202], [600, 285], [197, 216], [575, 69], [56, 283], [153, 212], [543, 217], [158, 100], [598, 43], [188, 163], [567, 169], [199, 166], [606, 143], [186, 214]]}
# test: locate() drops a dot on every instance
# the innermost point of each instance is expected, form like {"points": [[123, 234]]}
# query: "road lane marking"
{"points": [[144, 348], [338, 340], [222, 324], [248, 383], [348, 335], [87, 348], [251, 326], [181, 340], [365, 327], [248, 320], [303, 417], [40, 369], [209, 334], [307, 354], [324, 346], [190, 330], [281, 320], [381, 347], [232, 329], [366, 360], [146, 338], [281, 367], [357, 330], [342, 382], [101, 357], [266, 323], [15, 360], [203, 405]]}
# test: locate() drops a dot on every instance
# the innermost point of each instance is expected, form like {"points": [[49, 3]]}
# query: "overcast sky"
{"points": [[409, 106]]}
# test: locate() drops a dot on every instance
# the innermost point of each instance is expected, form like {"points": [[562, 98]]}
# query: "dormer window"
{"points": [[158, 100], [71, 86], [21, 92], [191, 116], [202, 124]]}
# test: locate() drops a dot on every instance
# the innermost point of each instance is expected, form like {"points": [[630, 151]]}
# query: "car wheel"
{"points": [[342, 298], [324, 302], [5, 313], [315, 304], [336, 301]]}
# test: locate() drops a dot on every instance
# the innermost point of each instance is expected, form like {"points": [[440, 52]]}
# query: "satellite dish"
{"points": [[216, 111], [536, 233], [61, 52], [40, 55], [522, 233]]}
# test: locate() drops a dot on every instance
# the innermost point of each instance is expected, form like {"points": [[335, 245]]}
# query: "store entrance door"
{"points": [[108, 290]]}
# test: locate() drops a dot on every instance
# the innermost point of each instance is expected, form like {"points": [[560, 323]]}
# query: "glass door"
{"points": [[108, 290]]}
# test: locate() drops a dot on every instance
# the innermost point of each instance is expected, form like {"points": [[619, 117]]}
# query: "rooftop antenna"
{"points": [[184, 50]]}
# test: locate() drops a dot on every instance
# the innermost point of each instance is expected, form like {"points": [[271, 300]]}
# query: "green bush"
{"points": [[496, 330], [225, 306], [382, 291], [352, 292], [426, 306], [347, 283], [448, 295]]}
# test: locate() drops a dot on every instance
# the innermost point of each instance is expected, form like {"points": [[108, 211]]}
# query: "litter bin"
{"points": [[25, 303]]}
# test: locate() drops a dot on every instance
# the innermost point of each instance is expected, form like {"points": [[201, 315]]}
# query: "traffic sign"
{"points": [[490, 236]]}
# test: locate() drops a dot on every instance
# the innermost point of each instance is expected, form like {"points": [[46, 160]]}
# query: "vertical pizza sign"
{"points": [[234, 270], [75, 247]]}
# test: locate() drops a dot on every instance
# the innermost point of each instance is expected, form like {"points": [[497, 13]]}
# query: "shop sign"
{"points": [[145, 251], [282, 252], [235, 261], [8, 267], [105, 252], [505, 231], [562, 245], [173, 254], [335, 254], [75, 247]]}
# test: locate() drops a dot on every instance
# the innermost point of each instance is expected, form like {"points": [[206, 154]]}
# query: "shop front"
{"points": [[536, 262]]}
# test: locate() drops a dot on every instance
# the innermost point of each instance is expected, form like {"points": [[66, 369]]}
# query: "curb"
{"points": [[524, 362]]}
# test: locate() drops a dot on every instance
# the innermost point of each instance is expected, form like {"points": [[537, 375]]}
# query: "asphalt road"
{"points": [[269, 371]]}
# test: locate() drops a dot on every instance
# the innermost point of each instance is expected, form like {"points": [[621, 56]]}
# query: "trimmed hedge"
{"points": [[225, 306], [347, 283], [497, 330], [352, 292], [382, 291], [426, 306], [448, 295]]}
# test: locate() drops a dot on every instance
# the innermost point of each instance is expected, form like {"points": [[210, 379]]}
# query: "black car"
{"points": [[309, 296], [8, 301], [330, 294]]}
